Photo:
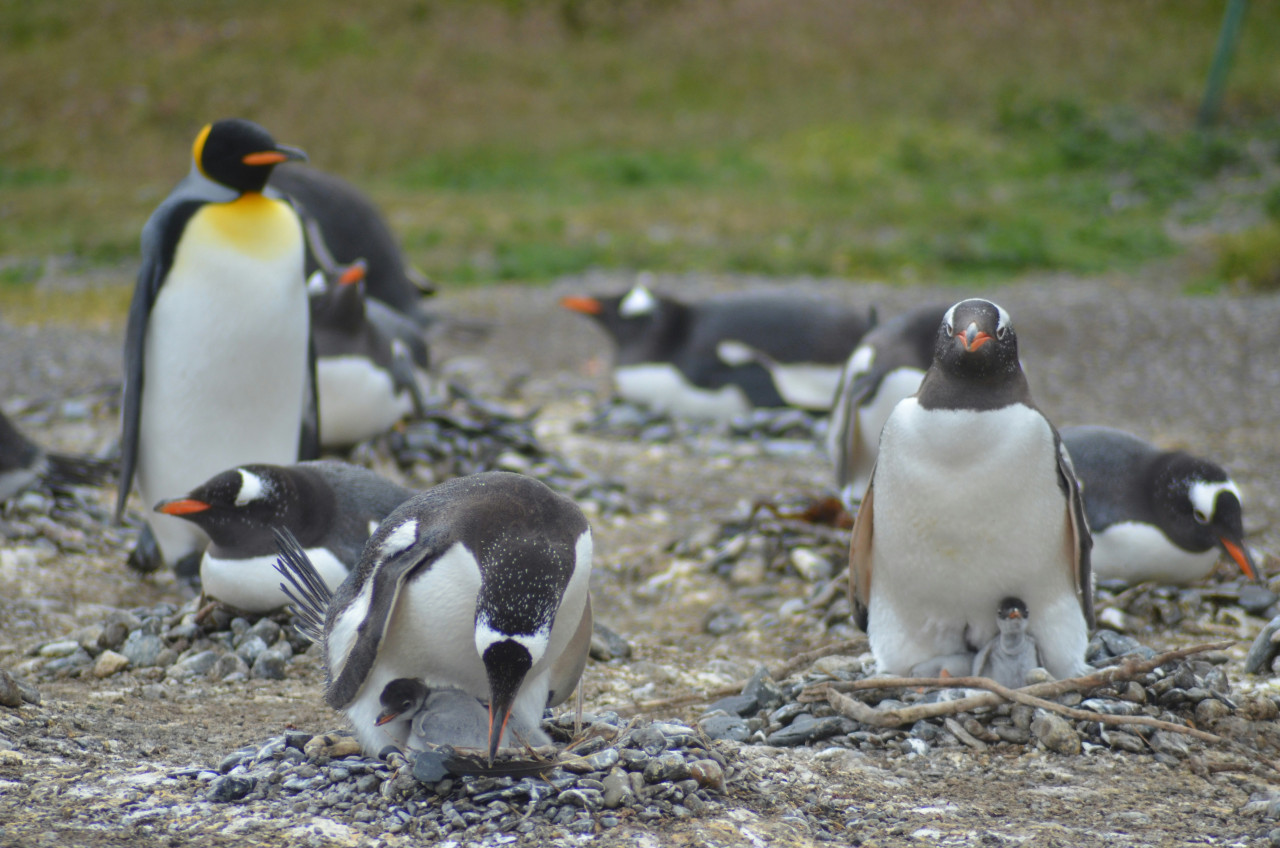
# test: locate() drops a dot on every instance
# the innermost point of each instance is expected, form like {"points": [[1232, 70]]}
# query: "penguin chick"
{"points": [[1012, 653], [1156, 515], [973, 498], [330, 507], [478, 584], [217, 368]]}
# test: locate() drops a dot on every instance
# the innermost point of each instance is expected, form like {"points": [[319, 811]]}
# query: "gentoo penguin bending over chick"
{"points": [[886, 367], [478, 584], [331, 508], [217, 368], [371, 361], [24, 464], [1155, 515], [1012, 653], [972, 499], [719, 358]]}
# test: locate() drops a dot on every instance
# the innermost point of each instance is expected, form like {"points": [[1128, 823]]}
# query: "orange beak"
{"points": [[972, 343], [264, 157], [585, 305], [181, 506], [1241, 557], [354, 274]]}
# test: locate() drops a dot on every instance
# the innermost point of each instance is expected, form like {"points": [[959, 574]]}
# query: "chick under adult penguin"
{"points": [[1155, 514], [722, 357], [331, 507], [217, 350], [478, 584], [973, 499]]}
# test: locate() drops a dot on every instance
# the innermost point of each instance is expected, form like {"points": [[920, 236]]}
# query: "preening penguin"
{"points": [[331, 508], [217, 344], [973, 499], [1155, 514], [478, 584]]}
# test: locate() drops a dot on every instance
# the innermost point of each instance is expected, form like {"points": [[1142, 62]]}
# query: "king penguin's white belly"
{"points": [[968, 511], [226, 364], [253, 584], [663, 388], [358, 400], [1135, 552]]}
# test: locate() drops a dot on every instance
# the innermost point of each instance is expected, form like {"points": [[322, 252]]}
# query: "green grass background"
{"points": [[940, 141]]}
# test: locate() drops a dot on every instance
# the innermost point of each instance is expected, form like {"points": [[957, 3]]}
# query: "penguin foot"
{"points": [[145, 558]]}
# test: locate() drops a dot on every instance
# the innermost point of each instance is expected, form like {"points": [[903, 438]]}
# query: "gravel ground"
{"points": [[153, 756]]}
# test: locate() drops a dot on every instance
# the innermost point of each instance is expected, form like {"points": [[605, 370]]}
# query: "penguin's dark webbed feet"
{"points": [[145, 558]]}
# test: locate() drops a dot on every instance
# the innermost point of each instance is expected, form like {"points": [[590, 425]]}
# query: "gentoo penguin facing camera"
{"points": [[350, 228], [972, 499], [1012, 653], [332, 508], [887, 366], [719, 358], [1155, 515], [478, 584], [24, 464], [371, 361], [217, 366]]}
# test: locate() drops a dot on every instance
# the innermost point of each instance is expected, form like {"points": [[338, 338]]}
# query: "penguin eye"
{"points": [[1200, 516], [1001, 332], [950, 330]]}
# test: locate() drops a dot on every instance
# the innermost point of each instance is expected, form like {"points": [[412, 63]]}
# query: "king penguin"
{"points": [[371, 361], [719, 358], [886, 367], [478, 584], [217, 345], [973, 499], [1155, 515], [331, 507]]}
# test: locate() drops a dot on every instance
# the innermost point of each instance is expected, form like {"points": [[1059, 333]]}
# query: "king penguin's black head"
{"points": [[976, 340], [240, 154], [506, 662]]}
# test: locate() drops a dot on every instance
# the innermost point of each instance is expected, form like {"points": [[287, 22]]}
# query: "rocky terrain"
{"points": [[141, 727]]}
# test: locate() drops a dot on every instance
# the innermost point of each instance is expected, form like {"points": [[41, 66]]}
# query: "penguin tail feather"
{"points": [[305, 588], [65, 470]]}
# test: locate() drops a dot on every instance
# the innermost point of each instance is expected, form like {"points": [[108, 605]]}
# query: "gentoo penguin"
{"points": [[1012, 652], [1155, 515], [217, 345], [331, 507], [719, 358], [478, 584], [351, 227], [972, 499], [886, 367], [371, 361], [445, 716], [24, 464]]}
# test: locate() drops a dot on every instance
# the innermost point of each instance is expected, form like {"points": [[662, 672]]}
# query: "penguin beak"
{"points": [[387, 716], [181, 506], [506, 663], [354, 273], [498, 715], [1015, 615], [281, 153], [1238, 552], [585, 305], [972, 338]]}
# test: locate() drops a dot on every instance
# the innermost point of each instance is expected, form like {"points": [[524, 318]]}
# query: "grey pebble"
{"points": [[10, 694], [270, 665], [723, 726], [805, 728], [1263, 650], [230, 787], [250, 647], [143, 649], [195, 665], [1055, 733]]}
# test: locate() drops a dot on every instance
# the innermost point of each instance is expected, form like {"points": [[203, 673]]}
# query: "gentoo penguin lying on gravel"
{"points": [[973, 499]]}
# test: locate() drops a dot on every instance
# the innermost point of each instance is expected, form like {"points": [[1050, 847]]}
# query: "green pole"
{"points": [[1228, 36]]}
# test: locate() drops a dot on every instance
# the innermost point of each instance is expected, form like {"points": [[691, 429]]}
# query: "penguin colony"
{"points": [[457, 615]]}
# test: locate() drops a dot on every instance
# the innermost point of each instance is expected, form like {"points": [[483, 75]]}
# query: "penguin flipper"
{"points": [[567, 670], [1078, 541], [860, 558], [309, 434], [404, 376]]}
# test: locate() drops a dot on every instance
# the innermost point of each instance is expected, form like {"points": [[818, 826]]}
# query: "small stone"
{"points": [[143, 649], [666, 768], [250, 648], [113, 634], [721, 620], [765, 691], [1255, 599], [811, 566], [1263, 650], [729, 727], [429, 766], [230, 787], [838, 666], [1055, 733], [332, 745], [1174, 744], [269, 666], [740, 705], [109, 663], [195, 665], [10, 694], [805, 728], [617, 789], [1125, 741], [266, 630], [607, 645], [61, 648], [227, 666], [650, 740], [708, 773], [1211, 709]]}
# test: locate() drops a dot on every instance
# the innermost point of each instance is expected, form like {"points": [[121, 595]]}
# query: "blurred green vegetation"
{"points": [[956, 141]]}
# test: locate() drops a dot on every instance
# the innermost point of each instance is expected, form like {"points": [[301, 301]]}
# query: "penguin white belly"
{"points": [[253, 584], [1134, 552], [804, 385], [226, 368], [663, 388], [358, 400], [968, 511], [895, 386]]}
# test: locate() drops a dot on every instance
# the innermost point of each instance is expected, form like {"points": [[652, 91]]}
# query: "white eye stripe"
{"points": [[252, 488], [639, 301], [399, 539], [1204, 496]]}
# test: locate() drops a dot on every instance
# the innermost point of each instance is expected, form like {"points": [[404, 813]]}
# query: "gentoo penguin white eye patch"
{"points": [[1204, 497], [639, 301], [399, 539], [252, 488]]}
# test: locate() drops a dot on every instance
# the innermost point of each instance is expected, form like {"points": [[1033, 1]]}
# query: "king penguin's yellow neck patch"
{"points": [[197, 149]]}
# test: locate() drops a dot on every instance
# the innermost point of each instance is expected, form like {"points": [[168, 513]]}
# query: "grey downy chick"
{"points": [[1013, 652]]}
